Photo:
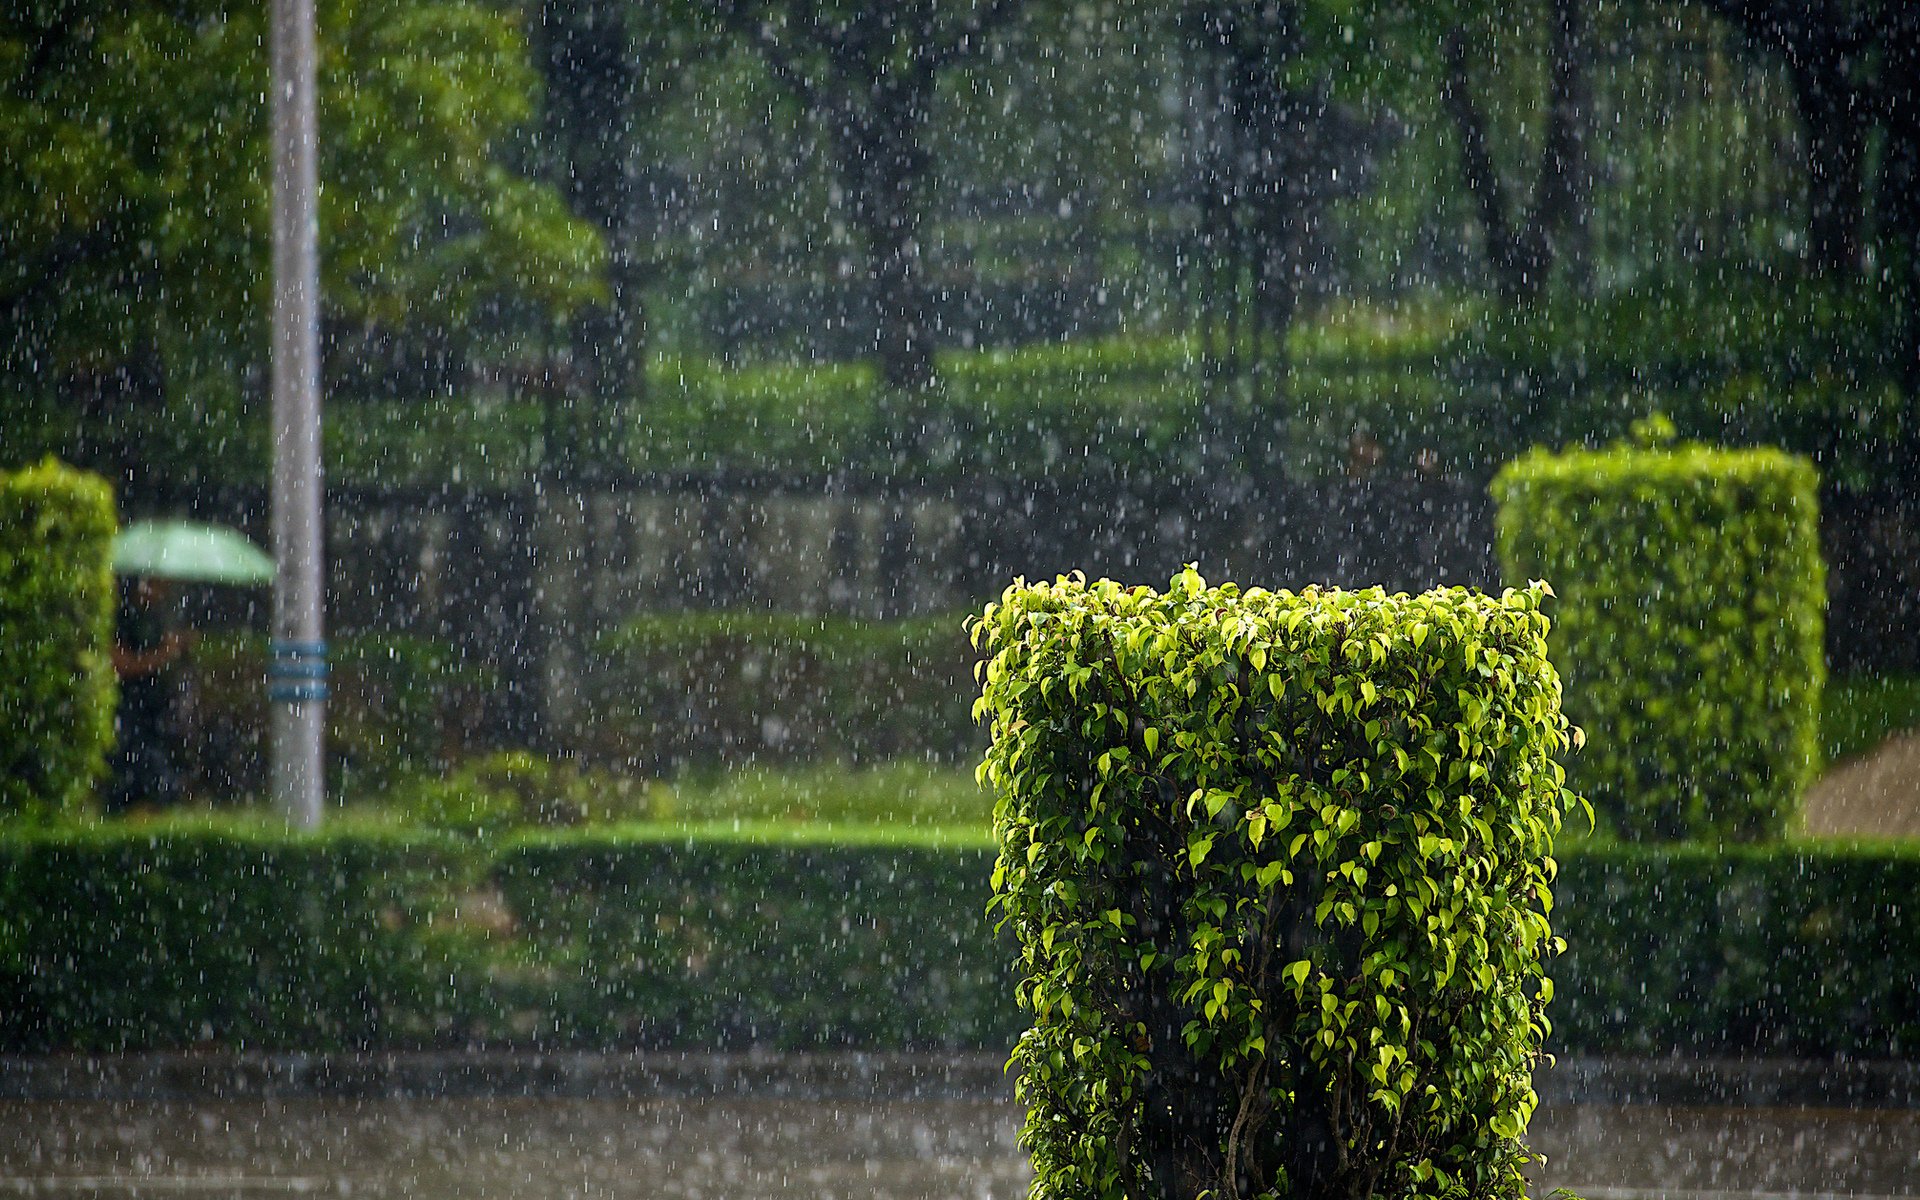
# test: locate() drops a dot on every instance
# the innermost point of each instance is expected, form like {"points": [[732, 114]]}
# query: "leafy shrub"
{"points": [[1691, 628], [516, 789], [172, 935], [57, 687], [1278, 866], [672, 689]]}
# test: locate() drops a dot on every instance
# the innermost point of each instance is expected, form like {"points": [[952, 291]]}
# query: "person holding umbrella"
{"points": [[148, 647], [147, 652]]}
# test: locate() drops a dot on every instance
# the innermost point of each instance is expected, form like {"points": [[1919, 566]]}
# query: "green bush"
{"points": [[186, 933], [1278, 867], [673, 689], [516, 789], [1690, 630], [756, 935], [57, 688]]}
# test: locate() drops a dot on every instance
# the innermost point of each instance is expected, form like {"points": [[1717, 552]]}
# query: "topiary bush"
{"points": [[1691, 627], [1278, 867], [57, 688]]}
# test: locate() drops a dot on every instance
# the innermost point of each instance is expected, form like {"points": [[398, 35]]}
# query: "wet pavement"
{"points": [[911, 1149]]}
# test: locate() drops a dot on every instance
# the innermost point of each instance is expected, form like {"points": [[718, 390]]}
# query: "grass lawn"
{"points": [[909, 793]]}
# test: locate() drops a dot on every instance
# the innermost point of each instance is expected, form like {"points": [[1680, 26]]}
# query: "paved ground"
{"points": [[742, 1148], [1876, 794]]}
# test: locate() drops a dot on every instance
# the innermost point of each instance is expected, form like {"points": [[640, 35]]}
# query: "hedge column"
{"points": [[1278, 866], [57, 688], [1691, 622]]}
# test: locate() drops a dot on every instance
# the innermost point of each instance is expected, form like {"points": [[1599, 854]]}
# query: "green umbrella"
{"points": [[190, 551]]}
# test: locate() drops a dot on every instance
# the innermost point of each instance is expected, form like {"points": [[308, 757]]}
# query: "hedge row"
{"points": [[1690, 633], [115, 938], [57, 688], [176, 936], [657, 938]]}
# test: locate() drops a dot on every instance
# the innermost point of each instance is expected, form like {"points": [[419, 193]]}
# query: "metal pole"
{"points": [[297, 674]]}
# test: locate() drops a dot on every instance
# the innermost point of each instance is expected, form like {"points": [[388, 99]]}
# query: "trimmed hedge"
{"points": [[57, 687], [673, 689], [1804, 951], [656, 936], [224, 935], [166, 936], [1690, 630], [1278, 866]]}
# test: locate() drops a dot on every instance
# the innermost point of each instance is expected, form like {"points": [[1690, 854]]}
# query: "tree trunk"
{"points": [[1558, 230], [1477, 168], [1522, 247], [883, 168]]}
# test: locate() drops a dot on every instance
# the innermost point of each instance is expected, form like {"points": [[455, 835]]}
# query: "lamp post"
{"points": [[297, 670]]}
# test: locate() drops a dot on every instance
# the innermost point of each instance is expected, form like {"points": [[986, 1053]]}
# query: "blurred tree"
{"points": [[611, 67], [134, 195], [868, 72], [1274, 148], [1522, 239], [1855, 67]]}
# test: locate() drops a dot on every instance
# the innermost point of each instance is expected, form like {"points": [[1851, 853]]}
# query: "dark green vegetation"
{"points": [[721, 938], [673, 689], [133, 216], [236, 934], [1690, 630], [57, 685], [1432, 382], [1796, 950], [1278, 868]]}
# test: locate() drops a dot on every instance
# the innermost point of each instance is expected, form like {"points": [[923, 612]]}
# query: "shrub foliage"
{"points": [[1278, 865], [57, 688], [1691, 628]]}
